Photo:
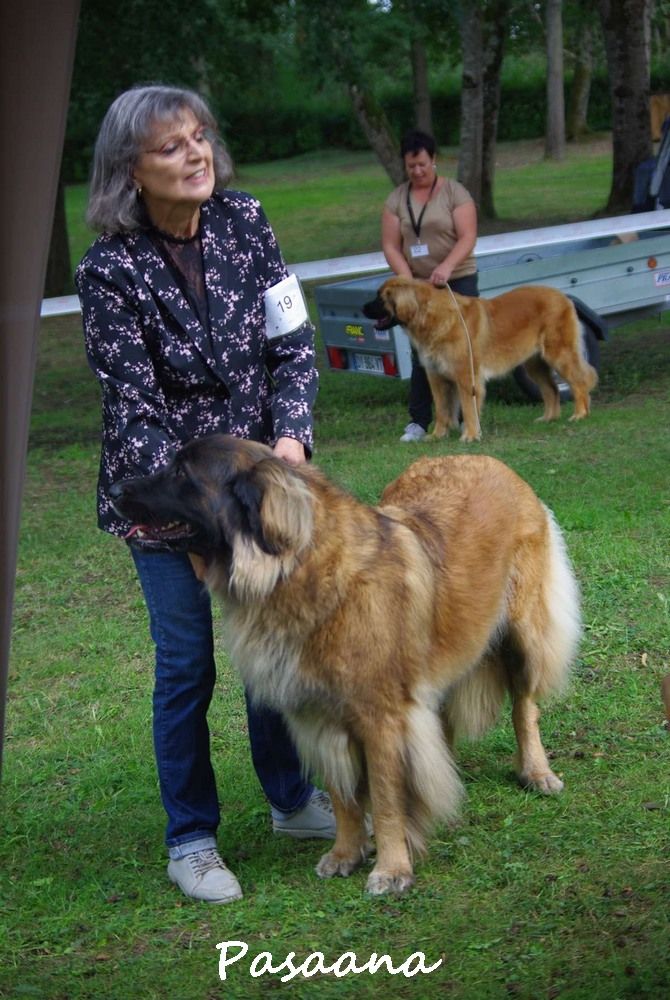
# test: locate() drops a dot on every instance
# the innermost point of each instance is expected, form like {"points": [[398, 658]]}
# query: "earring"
{"points": [[138, 191]]}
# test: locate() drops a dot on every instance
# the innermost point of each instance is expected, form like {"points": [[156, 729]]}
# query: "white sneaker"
{"points": [[203, 875], [316, 819], [413, 432]]}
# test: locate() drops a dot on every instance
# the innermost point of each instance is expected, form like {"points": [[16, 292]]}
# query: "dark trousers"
{"points": [[420, 396], [181, 627]]}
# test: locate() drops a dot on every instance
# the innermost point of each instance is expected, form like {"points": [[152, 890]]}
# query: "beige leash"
{"points": [[472, 360]]}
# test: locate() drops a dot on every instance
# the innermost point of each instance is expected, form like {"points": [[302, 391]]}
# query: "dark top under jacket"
{"points": [[166, 378]]}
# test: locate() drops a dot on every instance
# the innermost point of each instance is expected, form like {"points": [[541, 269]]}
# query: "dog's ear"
{"points": [[278, 509], [402, 300], [287, 507], [276, 505], [248, 498]]}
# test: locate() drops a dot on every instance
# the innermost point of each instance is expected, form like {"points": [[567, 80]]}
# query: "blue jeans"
{"points": [[180, 619]]}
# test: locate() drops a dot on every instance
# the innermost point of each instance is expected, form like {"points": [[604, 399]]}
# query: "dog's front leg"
{"points": [[392, 872], [352, 845], [472, 399], [442, 392]]}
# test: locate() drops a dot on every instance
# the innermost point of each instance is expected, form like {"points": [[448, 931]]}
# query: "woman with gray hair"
{"points": [[177, 333]]}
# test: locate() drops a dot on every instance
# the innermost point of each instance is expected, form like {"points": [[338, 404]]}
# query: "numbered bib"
{"points": [[285, 309]]}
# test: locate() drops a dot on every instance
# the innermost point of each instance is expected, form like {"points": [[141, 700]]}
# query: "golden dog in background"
{"points": [[466, 341], [380, 633]]}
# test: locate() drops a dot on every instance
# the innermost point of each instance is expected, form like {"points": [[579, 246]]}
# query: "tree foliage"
{"points": [[219, 47], [347, 42], [291, 67]]}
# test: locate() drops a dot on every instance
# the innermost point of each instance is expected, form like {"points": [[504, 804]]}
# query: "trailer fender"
{"points": [[589, 317]]}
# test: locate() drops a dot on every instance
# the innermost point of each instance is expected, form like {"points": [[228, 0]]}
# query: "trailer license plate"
{"points": [[369, 363]]}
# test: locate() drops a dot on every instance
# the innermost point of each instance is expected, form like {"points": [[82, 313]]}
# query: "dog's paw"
{"points": [[469, 438], [547, 783], [382, 883], [332, 863]]}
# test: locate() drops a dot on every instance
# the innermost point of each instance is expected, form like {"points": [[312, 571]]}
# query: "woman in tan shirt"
{"points": [[429, 229]]}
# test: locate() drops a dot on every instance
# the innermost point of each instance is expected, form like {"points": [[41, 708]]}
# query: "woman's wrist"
{"points": [[441, 274], [291, 450]]}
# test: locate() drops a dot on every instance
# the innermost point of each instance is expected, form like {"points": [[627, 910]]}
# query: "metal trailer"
{"points": [[615, 270]]}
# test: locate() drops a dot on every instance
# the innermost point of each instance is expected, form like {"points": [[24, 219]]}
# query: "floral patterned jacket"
{"points": [[166, 379]]}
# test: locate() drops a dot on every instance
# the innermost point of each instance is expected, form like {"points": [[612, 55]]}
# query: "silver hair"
{"points": [[113, 202]]}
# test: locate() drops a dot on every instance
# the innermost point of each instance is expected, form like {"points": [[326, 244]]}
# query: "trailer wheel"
{"points": [[592, 353]]}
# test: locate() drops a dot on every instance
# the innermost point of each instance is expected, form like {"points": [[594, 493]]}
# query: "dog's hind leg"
{"points": [[540, 372], [564, 350], [579, 375], [582, 379], [532, 763], [521, 667]]}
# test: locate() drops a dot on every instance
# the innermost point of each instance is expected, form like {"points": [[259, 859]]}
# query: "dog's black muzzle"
{"points": [[122, 495], [152, 528], [376, 309]]}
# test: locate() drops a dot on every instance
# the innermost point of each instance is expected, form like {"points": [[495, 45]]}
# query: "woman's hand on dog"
{"points": [[290, 450]]}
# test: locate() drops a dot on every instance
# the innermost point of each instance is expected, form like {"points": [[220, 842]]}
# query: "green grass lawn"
{"points": [[530, 897]]}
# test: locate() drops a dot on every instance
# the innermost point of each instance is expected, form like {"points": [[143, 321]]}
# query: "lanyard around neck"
{"points": [[416, 224]]}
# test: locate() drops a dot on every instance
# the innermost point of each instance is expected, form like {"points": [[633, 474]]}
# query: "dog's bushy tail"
{"points": [[434, 790], [474, 702], [589, 374], [555, 645]]}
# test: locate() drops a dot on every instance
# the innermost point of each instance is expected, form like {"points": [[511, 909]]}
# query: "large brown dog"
{"points": [[466, 341], [377, 631]]}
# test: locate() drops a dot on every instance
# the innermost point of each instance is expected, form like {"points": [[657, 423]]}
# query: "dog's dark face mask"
{"points": [[198, 503], [162, 511], [379, 311]]}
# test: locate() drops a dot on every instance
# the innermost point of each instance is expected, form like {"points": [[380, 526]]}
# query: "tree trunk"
{"points": [[626, 30], [554, 143], [375, 125], [201, 70], [58, 279], [336, 35], [577, 117], [472, 102], [495, 17], [423, 113]]}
